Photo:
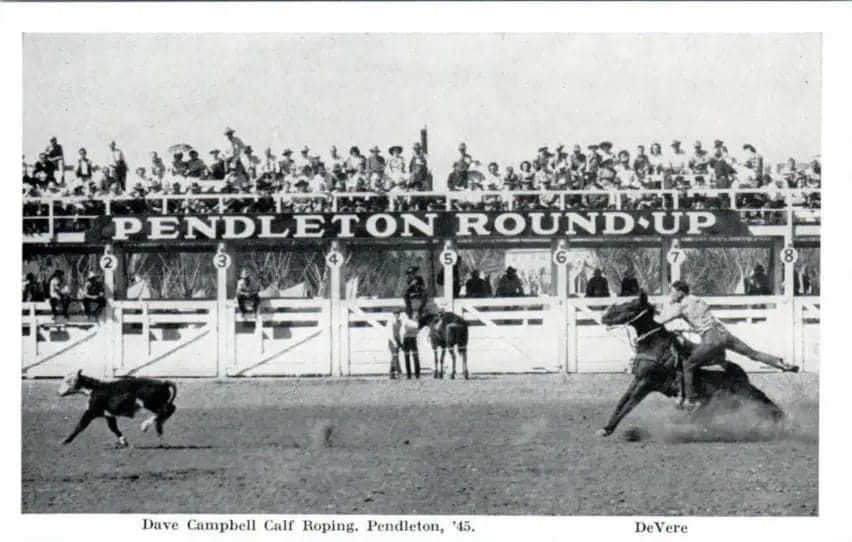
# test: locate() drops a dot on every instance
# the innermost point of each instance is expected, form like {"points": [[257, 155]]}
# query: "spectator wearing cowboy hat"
{"points": [[247, 294], [606, 152], [376, 162], [94, 299], [758, 283], [396, 166], [236, 144], [465, 158], [699, 162], [597, 285], [509, 284], [418, 168], [415, 294], [675, 167], [578, 160], [629, 284]]}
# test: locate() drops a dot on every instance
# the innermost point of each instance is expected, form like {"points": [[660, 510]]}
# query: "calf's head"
{"points": [[70, 384]]}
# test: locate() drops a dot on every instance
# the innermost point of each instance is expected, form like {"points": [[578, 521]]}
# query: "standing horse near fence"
{"points": [[447, 331]]}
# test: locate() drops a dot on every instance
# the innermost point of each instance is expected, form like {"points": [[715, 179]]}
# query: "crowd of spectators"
{"points": [[594, 177]]}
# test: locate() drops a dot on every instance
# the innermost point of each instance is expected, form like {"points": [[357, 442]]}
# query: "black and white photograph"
{"points": [[385, 278]]}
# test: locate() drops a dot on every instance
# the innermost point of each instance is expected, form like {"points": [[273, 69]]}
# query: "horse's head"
{"points": [[425, 318], [628, 312]]}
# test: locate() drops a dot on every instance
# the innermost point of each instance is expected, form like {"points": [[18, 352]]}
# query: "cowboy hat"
{"points": [[510, 270], [375, 149], [286, 152], [215, 151], [305, 149], [605, 144], [417, 145], [718, 143], [396, 148], [697, 144], [229, 130], [675, 143]]}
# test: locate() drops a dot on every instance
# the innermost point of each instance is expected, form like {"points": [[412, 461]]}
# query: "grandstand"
{"points": [[327, 240]]}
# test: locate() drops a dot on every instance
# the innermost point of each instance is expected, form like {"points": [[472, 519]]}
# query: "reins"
{"points": [[627, 326]]}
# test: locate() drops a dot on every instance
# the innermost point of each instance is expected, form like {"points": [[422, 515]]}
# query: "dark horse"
{"points": [[657, 367], [447, 331]]}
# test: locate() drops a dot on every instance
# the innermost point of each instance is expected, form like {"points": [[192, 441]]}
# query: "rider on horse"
{"points": [[415, 291], [715, 339]]}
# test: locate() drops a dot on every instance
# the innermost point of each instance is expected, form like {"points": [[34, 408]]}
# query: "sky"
{"points": [[504, 95]]}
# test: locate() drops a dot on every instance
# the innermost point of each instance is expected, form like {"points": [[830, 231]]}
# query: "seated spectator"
{"points": [[94, 299], [475, 286], [656, 161], [32, 291], [60, 299], [629, 284], [355, 160], [457, 180], [511, 180], [641, 164], [598, 286], [758, 283], [195, 167], [699, 162], [246, 294], [84, 169], [509, 284], [179, 165], [376, 162], [625, 176], [44, 171]]}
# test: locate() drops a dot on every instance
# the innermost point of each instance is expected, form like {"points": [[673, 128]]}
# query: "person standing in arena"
{"points": [[715, 339], [395, 343], [410, 328], [415, 294]]}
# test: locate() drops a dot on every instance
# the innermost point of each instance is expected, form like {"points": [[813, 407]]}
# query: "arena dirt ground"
{"points": [[491, 445]]}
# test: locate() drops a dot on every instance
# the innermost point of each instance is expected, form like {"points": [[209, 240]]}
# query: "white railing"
{"points": [[793, 198]]}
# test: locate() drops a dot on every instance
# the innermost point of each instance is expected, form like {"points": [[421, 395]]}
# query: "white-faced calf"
{"points": [[122, 397]]}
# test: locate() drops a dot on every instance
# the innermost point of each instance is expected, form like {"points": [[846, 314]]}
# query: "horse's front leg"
{"points": [[443, 353], [637, 391], [453, 355]]}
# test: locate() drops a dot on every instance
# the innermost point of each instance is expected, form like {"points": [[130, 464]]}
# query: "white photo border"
{"points": [[832, 20]]}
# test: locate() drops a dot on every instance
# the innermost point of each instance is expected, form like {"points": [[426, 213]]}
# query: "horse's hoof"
{"points": [[603, 433], [466, 376], [122, 443], [453, 376]]}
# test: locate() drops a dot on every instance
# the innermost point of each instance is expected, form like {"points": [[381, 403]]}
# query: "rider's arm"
{"points": [[670, 312]]}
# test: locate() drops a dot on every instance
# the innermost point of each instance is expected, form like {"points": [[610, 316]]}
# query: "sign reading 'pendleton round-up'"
{"points": [[415, 225]]}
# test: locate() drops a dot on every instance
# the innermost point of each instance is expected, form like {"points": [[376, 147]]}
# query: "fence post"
{"points": [[33, 330], [559, 256], [334, 261], [572, 365], [449, 258], [222, 261]]}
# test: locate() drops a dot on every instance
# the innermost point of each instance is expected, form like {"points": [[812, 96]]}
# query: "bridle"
{"points": [[634, 342]]}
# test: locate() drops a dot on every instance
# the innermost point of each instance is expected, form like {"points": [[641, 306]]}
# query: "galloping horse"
{"points": [[447, 331], [657, 367]]}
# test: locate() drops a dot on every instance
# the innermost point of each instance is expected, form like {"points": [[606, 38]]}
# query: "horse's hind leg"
{"points": [[463, 352], [453, 355], [435, 373], [768, 404], [441, 371]]}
